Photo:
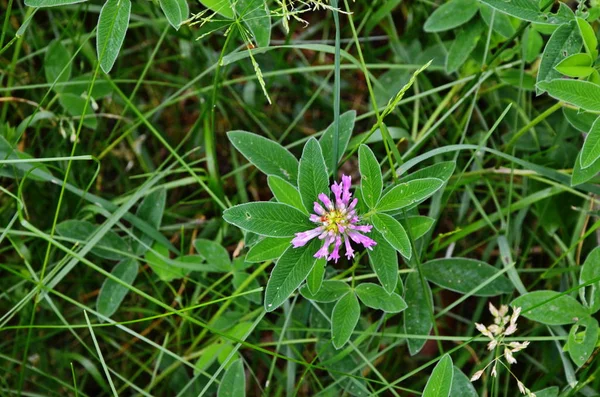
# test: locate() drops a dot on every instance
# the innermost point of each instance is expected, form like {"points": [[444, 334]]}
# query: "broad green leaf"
{"points": [[576, 65], [222, 7], [312, 174], [590, 152], [268, 219], [440, 381], [214, 254], [461, 385], [239, 278], [548, 392], [582, 121], [9, 151], [371, 180], [51, 3], [533, 42], [450, 15], [564, 41], [112, 27], [316, 275], [257, 17], [463, 45], [267, 249], [583, 338], [209, 354], [111, 246], [290, 271], [590, 41], [285, 192], [176, 11], [550, 307], [529, 10], [418, 225], [344, 319], [502, 24], [112, 293], [394, 233], [233, 383], [442, 170], [376, 297], [240, 264], [157, 259], [463, 275], [151, 211], [582, 94], [330, 291], [406, 194], [417, 316], [57, 65], [591, 271], [75, 106], [582, 175], [384, 260], [266, 155], [518, 78], [347, 120]]}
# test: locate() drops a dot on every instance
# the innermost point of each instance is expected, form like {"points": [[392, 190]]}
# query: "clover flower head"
{"points": [[338, 223]]}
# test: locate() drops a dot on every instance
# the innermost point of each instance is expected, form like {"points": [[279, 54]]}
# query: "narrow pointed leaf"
{"points": [[312, 174], [590, 152], [384, 261], [371, 180], [440, 381], [347, 121], [176, 11], [417, 316], [565, 41], [233, 383], [112, 27], [316, 275], [112, 293]]}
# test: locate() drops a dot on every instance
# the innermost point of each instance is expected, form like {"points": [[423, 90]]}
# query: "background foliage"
{"points": [[136, 138]]}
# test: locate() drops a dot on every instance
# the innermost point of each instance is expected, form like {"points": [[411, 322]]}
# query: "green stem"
{"points": [[336, 89]]}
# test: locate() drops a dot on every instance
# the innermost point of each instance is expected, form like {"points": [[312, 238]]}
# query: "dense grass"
{"points": [[155, 136]]}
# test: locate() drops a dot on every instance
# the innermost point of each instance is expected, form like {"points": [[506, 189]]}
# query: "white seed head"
{"points": [[493, 310], [492, 345], [509, 356], [515, 315], [521, 387], [512, 328], [476, 375], [494, 373]]}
